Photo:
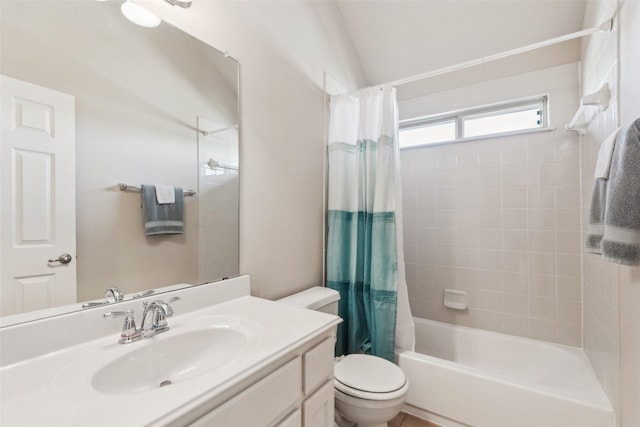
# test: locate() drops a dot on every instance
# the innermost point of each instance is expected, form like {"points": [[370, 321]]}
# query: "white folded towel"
{"points": [[165, 194], [603, 164]]}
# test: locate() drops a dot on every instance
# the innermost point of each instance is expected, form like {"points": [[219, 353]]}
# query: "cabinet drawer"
{"points": [[261, 403], [318, 365]]}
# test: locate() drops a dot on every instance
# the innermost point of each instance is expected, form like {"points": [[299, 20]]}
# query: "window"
{"points": [[428, 133], [516, 116]]}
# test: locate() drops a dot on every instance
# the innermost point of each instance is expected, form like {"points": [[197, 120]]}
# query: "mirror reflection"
{"points": [[128, 105]]}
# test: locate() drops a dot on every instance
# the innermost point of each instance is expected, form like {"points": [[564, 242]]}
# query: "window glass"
{"points": [[428, 134], [512, 116], [499, 122]]}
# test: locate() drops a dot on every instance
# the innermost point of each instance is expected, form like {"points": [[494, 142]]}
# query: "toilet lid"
{"points": [[369, 373]]}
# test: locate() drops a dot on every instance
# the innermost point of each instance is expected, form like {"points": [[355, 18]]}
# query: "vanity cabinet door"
{"points": [[262, 403], [293, 420], [318, 409]]}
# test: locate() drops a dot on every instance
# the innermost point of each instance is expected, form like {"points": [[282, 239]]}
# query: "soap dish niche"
{"points": [[455, 299]]}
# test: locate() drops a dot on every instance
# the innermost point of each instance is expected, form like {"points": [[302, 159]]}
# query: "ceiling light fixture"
{"points": [[139, 15]]}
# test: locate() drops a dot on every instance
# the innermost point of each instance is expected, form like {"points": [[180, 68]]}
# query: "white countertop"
{"points": [[55, 389]]}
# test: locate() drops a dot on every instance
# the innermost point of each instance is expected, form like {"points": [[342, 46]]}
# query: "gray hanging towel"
{"points": [[167, 218], [614, 218]]}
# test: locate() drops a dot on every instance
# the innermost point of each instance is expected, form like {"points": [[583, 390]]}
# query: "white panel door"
{"points": [[37, 197]]}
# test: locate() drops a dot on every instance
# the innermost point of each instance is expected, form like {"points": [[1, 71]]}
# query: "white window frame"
{"points": [[542, 101]]}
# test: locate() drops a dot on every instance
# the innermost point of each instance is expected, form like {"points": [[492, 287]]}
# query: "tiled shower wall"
{"points": [[498, 218], [601, 278], [611, 292]]}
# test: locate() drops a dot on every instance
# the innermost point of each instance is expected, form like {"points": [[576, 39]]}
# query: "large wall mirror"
{"points": [[148, 106]]}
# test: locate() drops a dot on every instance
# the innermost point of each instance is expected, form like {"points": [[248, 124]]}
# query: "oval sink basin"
{"points": [[168, 359]]}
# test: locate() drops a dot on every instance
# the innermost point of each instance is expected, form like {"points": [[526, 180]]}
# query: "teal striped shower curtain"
{"points": [[364, 250]]}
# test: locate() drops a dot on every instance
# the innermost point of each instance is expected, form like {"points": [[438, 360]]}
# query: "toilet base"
{"points": [[355, 412]]}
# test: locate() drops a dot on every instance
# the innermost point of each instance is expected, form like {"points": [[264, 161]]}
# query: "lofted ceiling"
{"points": [[395, 39]]}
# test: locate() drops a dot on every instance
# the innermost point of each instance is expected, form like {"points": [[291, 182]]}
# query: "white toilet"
{"points": [[369, 390]]}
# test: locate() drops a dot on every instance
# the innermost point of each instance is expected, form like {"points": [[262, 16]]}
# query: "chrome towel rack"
{"points": [[137, 188]]}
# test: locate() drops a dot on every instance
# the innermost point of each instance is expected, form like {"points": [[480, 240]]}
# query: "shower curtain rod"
{"points": [[604, 27]]}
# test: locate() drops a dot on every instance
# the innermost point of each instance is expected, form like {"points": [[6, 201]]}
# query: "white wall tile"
{"points": [[491, 155], [499, 216], [490, 178], [543, 219], [542, 285], [567, 173], [569, 288], [514, 218], [542, 240], [567, 196], [543, 308], [514, 151], [568, 219], [540, 174], [514, 240], [515, 261], [542, 263], [489, 198], [569, 265], [541, 197], [512, 176], [514, 198], [489, 239], [568, 242], [515, 282], [570, 311]]}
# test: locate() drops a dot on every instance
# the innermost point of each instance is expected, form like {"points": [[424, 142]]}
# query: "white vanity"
{"points": [[229, 359]]}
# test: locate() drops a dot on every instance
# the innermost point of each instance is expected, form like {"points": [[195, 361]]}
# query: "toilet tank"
{"points": [[317, 298]]}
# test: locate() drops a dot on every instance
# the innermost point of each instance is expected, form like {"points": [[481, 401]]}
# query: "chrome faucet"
{"points": [[154, 320], [154, 317], [114, 293]]}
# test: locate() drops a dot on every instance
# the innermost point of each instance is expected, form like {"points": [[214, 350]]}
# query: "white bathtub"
{"points": [[463, 376]]}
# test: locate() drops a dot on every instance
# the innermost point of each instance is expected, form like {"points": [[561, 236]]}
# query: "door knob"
{"points": [[63, 259]]}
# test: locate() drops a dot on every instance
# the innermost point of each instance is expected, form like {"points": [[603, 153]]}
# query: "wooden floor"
{"points": [[406, 420]]}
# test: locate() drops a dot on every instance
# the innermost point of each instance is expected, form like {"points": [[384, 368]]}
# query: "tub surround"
{"points": [[498, 218], [47, 377]]}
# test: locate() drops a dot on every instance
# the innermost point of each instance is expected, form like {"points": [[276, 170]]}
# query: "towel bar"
{"points": [[126, 187]]}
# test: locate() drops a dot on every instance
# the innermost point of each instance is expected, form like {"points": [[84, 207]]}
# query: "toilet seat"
{"points": [[369, 377]]}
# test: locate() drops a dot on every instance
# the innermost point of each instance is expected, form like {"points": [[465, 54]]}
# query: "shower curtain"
{"points": [[364, 244]]}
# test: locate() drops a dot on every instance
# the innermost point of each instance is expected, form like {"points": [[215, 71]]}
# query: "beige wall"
{"points": [[498, 218], [283, 48], [612, 292]]}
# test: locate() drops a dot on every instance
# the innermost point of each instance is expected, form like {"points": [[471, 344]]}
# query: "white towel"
{"points": [[603, 164], [165, 194]]}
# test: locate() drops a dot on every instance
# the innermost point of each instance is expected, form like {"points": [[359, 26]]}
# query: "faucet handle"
{"points": [[129, 332], [170, 300], [162, 310], [144, 294]]}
